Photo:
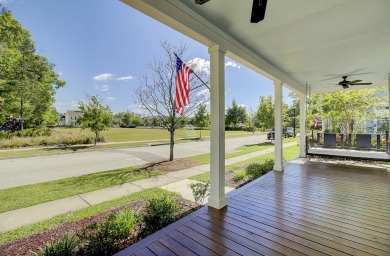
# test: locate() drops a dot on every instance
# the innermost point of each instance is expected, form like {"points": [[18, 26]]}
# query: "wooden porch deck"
{"points": [[309, 209]]}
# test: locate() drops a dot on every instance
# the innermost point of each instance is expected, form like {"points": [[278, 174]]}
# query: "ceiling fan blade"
{"points": [[361, 84], [258, 10], [354, 82]]}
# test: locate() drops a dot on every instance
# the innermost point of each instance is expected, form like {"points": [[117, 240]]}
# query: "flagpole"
{"points": [[208, 87]]}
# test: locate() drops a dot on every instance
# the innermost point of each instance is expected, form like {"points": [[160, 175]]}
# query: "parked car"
{"points": [[287, 132]]}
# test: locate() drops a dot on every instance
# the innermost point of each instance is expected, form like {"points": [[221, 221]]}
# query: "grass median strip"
{"points": [[70, 217], [205, 158], [289, 153], [23, 196]]}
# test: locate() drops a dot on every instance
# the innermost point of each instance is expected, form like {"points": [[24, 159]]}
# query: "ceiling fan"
{"points": [[345, 84], [258, 9]]}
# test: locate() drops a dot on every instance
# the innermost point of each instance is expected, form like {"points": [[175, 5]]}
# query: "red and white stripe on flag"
{"points": [[182, 85]]}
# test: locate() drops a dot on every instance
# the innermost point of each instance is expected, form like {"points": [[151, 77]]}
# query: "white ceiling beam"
{"points": [[180, 17]]}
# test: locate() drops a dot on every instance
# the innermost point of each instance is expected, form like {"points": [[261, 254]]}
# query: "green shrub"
{"points": [[5, 135], [55, 139], [158, 214], [256, 170], [67, 246], [200, 190], [239, 175], [103, 238]]}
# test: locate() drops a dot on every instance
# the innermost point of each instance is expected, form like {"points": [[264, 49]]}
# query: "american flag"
{"points": [[182, 85], [317, 122]]}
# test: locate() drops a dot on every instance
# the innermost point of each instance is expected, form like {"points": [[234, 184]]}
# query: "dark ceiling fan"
{"points": [[345, 84], [258, 9]]}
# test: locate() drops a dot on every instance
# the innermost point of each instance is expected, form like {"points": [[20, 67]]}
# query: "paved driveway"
{"points": [[29, 170]]}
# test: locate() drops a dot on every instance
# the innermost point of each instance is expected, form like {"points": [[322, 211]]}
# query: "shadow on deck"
{"points": [[311, 208]]}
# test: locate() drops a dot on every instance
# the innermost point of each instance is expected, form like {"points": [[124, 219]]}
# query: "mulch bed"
{"points": [[169, 166], [24, 246]]}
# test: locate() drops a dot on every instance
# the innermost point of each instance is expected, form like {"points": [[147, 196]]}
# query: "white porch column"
{"points": [[302, 125], [278, 126], [217, 139]]}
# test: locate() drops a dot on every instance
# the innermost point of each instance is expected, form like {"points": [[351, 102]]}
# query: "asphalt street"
{"points": [[29, 170]]}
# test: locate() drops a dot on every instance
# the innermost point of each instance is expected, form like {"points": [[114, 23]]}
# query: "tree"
{"points": [[127, 119], [96, 116], [265, 113], [348, 110], [156, 93], [201, 119], [155, 121], [28, 81], [235, 115]]}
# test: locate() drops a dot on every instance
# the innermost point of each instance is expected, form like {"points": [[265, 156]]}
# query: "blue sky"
{"points": [[101, 48]]}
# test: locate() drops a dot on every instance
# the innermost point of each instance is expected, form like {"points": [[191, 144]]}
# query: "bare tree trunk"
{"points": [[172, 132], [21, 112], [96, 137]]}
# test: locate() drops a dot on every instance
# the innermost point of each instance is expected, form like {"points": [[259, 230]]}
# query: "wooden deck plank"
{"points": [[338, 224], [144, 252], [309, 209], [191, 243], [340, 208], [361, 199], [175, 246], [257, 235], [325, 243], [220, 242], [361, 194], [332, 200], [312, 228], [306, 246], [213, 242], [159, 249], [320, 210], [253, 248]]}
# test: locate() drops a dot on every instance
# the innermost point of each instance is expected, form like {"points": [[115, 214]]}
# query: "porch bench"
{"points": [[329, 140], [363, 141]]}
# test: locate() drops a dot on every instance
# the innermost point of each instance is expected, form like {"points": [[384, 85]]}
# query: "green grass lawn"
{"points": [[205, 158], [141, 134], [120, 138], [21, 232], [289, 153], [23, 196]]}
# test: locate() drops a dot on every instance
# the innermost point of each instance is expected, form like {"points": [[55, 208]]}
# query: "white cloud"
{"points": [[73, 103], [232, 64], [102, 88], [60, 73], [204, 92], [242, 105], [123, 78], [62, 107], [200, 65], [110, 98], [103, 77]]}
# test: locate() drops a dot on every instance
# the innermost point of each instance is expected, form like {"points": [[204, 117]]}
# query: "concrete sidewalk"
{"points": [[173, 181]]}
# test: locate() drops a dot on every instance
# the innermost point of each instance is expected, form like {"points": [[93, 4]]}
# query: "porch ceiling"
{"points": [[298, 41]]}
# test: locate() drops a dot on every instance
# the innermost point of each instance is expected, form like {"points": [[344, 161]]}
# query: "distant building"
{"points": [[380, 123], [71, 117]]}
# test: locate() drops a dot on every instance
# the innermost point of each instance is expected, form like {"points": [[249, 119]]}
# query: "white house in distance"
{"points": [[71, 117]]}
